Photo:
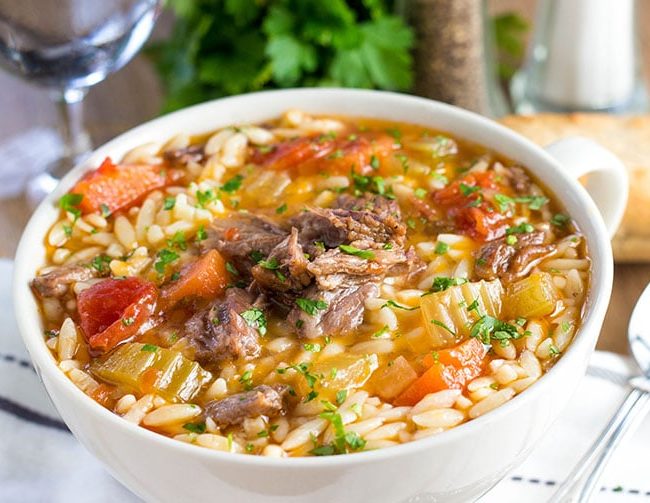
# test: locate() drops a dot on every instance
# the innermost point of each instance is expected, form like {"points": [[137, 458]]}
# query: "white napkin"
{"points": [[25, 155], [41, 461]]}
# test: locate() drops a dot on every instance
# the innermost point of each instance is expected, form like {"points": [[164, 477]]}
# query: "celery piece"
{"points": [[531, 297]]}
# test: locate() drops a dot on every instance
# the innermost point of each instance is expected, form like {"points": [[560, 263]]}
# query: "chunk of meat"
{"points": [[262, 400], [519, 180], [57, 282], [285, 269], [498, 259], [335, 268], [181, 157], [366, 222], [242, 235], [343, 314], [408, 271], [219, 332]]}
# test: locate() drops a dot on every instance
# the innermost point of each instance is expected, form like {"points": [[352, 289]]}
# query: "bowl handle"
{"points": [[607, 180]]}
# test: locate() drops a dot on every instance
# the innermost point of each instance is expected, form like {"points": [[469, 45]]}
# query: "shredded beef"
{"points": [[219, 332], [57, 282], [262, 400], [343, 314], [242, 235], [285, 269], [519, 180], [183, 156], [498, 259]]}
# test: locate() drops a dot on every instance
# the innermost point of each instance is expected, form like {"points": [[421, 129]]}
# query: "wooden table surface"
{"points": [[133, 95]]}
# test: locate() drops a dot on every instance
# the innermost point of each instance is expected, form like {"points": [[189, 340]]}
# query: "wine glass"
{"points": [[66, 46]]}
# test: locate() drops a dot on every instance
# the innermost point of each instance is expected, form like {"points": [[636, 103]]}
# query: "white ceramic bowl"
{"points": [[457, 465]]}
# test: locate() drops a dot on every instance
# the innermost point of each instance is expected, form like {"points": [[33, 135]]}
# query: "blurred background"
{"points": [[465, 52]]}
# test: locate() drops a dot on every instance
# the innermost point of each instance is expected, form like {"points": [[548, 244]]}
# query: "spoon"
{"points": [[583, 480]]}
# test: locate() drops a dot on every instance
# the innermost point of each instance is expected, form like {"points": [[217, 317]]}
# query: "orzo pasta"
{"points": [[310, 285]]}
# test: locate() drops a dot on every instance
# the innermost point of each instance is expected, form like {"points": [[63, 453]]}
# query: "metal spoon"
{"points": [[582, 481]]}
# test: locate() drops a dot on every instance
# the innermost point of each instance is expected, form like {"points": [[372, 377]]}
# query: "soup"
{"points": [[309, 286]]}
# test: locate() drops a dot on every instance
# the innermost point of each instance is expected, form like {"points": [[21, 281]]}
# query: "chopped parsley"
{"points": [[511, 240], [312, 348], [440, 324], [353, 250], [344, 441], [105, 210], [553, 350], [310, 396], [256, 256], [232, 269], [246, 380], [165, 257], [441, 283], [169, 203], [468, 190], [411, 223], [100, 263], [281, 209], [341, 395], [533, 202], [404, 160], [522, 228], [441, 248], [560, 219], [195, 427], [69, 203], [271, 264], [503, 202], [178, 241], [127, 322], [392, 303], [311, 306], [201, 235], [487, 328], [67, 230], [233, 184], [420, 193], [149, 348], [205, 197], [301, 368], [255, 318], [381, 332]]}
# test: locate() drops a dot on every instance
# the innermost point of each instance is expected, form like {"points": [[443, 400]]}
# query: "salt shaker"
{"points": [[584, 57]]}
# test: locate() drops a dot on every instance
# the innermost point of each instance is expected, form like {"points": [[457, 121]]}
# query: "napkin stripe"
{"points": [[14, 359], [29, 415], [551, 483], [608, 375]]}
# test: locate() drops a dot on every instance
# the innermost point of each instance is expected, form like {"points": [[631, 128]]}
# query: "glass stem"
{"points": [[76, 142]]}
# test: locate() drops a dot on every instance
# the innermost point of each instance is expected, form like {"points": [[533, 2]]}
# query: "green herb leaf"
{"points": [[468, 190], [164, 258], [233, 184], [169, 203], [442, 325], [281, 209], [560, 220], [353, 250], [441, 248], [311, 306], [149, 348], [441, 283], [392, 303], [255, 318], [69, 203]]}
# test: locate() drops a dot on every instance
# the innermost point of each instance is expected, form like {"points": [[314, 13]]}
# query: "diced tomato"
{"points": [[453, 195], [116, 310], [336, 156], [206, 278], [481, 223], [449, 369], [119, 186], [468, 202]]}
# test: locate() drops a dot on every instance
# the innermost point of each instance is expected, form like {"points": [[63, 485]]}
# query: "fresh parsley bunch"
{"points": [[224, 47]]}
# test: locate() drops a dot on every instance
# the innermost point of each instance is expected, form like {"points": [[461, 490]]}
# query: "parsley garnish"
{"points": [[178, 241], [149, 348], [281, 209], [560, 220], [100, 263], [203, 198], [468, 190], [341, 395], [442, 325], [313, 348], [441, 283], [165, 257], [69, 203], [392, 303], [420, 193], [169, 203], [233, 184], [246, 380], [487, 328], [231, 269], [441, 248], [201, 234], [255, 318], [301, 368], [105, 210], [311, 306], [511, 240], [195, 427], [522, 228], [353, 250], [381, 332], [374, 162]]}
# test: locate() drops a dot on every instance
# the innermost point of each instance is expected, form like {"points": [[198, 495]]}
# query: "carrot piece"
{"points": [[114, 186], [206, 277], [449, 368]]}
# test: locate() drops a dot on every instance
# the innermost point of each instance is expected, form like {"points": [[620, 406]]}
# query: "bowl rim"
{"points": [[28, 317]]}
